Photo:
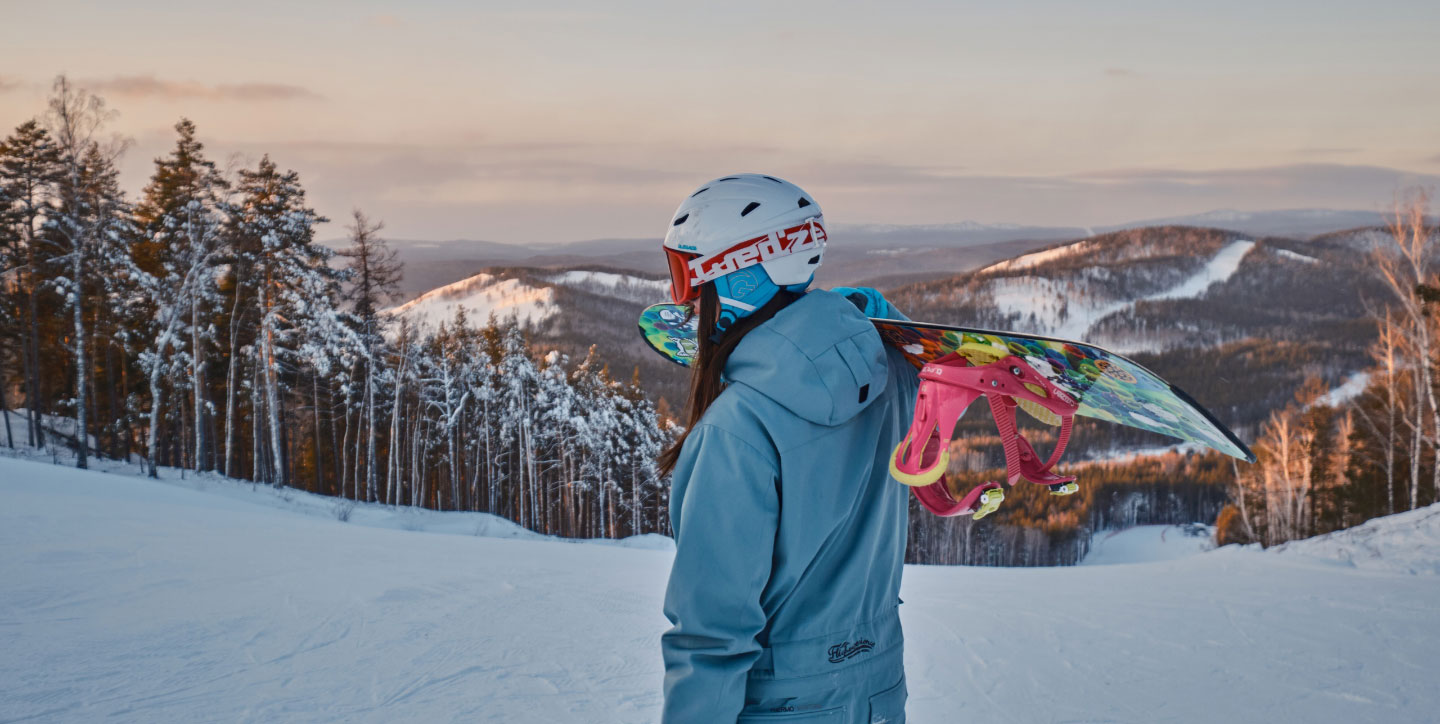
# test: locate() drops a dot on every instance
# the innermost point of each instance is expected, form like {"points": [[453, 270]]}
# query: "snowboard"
{"points": [[1108, 386]]}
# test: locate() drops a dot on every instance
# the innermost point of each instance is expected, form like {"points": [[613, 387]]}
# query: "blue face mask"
{"points": [[744, 291]]}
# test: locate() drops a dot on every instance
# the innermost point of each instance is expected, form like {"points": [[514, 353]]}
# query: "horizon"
{"points": [[526, 126]]}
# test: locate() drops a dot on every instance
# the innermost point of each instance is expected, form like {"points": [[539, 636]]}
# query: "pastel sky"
{"points": [[531, 122]]}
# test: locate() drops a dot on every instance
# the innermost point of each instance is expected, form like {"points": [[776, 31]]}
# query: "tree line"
{"points": [[1034, 528], [201, 326], [1325, 464]]}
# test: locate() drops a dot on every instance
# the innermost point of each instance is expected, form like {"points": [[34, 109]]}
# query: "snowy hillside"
{"points": [[128, 599], [1069, 305], [1236, 321], [611, 284], [1405, 542], [1148, 544], [481, 295], [528, 297]]}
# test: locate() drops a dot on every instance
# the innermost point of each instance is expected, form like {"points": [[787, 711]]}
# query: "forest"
{"points": [[201, 326]]}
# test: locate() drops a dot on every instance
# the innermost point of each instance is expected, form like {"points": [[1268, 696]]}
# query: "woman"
{"points": [[789, 533]]}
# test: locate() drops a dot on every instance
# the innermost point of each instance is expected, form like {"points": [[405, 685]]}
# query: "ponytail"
{"points": [[710, 359]]}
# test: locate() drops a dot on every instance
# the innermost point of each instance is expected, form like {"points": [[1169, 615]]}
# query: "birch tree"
{"points": [[87, 220]]}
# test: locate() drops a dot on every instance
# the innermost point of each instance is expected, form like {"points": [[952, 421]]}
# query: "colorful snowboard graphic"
{"points": [[1108, 386]]}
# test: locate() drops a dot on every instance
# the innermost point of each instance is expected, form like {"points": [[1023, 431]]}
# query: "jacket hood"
{"points": [[819, 357]]}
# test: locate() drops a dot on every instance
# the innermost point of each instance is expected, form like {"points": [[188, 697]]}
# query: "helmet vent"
{"points": [[680, 220], [802, 203], [814, 259], [750, 207], [701, 191], [772, 178], [730, 178]]}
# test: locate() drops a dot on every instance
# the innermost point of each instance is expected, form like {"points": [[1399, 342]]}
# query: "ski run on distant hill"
{"points": [[1052, 308]]}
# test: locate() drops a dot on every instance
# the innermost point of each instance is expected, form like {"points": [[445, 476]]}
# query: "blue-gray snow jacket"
{"points": [[789, 532]]}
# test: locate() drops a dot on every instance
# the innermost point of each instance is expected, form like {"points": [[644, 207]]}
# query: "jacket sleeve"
{"points": [[871, 302], [724, 509]]}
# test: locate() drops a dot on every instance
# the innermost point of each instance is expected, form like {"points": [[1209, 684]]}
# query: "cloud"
{"points": [[1434, 159], [562, 191], [1121, 73], [385, 20], [1323, 151], [9, 83], [148, 86]]}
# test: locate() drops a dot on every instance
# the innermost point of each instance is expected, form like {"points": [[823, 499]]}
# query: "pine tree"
{"points": [[276, 231], [183, 215], [375, 277], [9, 253], [29, 170]]}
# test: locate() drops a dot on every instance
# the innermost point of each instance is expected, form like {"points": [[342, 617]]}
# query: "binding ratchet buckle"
{"points": [[947, 386]]}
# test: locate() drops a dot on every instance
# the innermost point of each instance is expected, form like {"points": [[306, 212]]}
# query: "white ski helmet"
{"points": [[740, 221]]}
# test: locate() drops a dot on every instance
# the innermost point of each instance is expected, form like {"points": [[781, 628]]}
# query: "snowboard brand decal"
{"points": [[1110, 369], [809, 235], [844, 650]]}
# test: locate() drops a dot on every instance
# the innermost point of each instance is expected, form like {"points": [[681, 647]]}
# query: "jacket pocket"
{"points": [[824, 715], [888, 707]]}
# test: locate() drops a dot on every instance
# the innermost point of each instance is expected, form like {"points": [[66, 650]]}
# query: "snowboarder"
{"points": [[790, 535]]}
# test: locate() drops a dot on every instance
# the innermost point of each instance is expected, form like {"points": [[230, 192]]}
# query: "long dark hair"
{"points": [[710, 358]]}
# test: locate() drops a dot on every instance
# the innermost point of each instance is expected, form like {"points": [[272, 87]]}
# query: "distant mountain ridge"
{"points": [[1239, 321], [859, 253]]}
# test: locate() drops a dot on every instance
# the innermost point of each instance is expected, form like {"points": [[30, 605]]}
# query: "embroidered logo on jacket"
{"points": [[845, 650]]}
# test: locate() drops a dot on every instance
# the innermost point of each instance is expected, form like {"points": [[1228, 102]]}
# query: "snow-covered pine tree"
{"points": [[374, 273], [29, 169], [518, 378], [9, 319], [88, 223], [182, 216], [276, 232]]}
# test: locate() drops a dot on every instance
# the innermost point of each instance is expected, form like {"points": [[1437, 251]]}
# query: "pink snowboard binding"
{"points": [[947, 387]]}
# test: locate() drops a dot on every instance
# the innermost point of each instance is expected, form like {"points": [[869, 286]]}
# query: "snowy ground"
{"points": [[123, 599], [1148, 544]]}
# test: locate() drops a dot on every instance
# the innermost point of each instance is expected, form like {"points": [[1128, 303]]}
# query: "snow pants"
{"points": [[856, 684]]}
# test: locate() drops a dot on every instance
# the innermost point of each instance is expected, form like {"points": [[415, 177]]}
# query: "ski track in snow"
{"points": [[1218, 269], [1296, 256], [135, 600]]}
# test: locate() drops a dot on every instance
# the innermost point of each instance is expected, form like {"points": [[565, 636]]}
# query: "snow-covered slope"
{"points": [[1406, 542], [481, 295], [1034, 258], [1067, 307], [528, 297], [131, 600], [1147, 544], [612, 284]]}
